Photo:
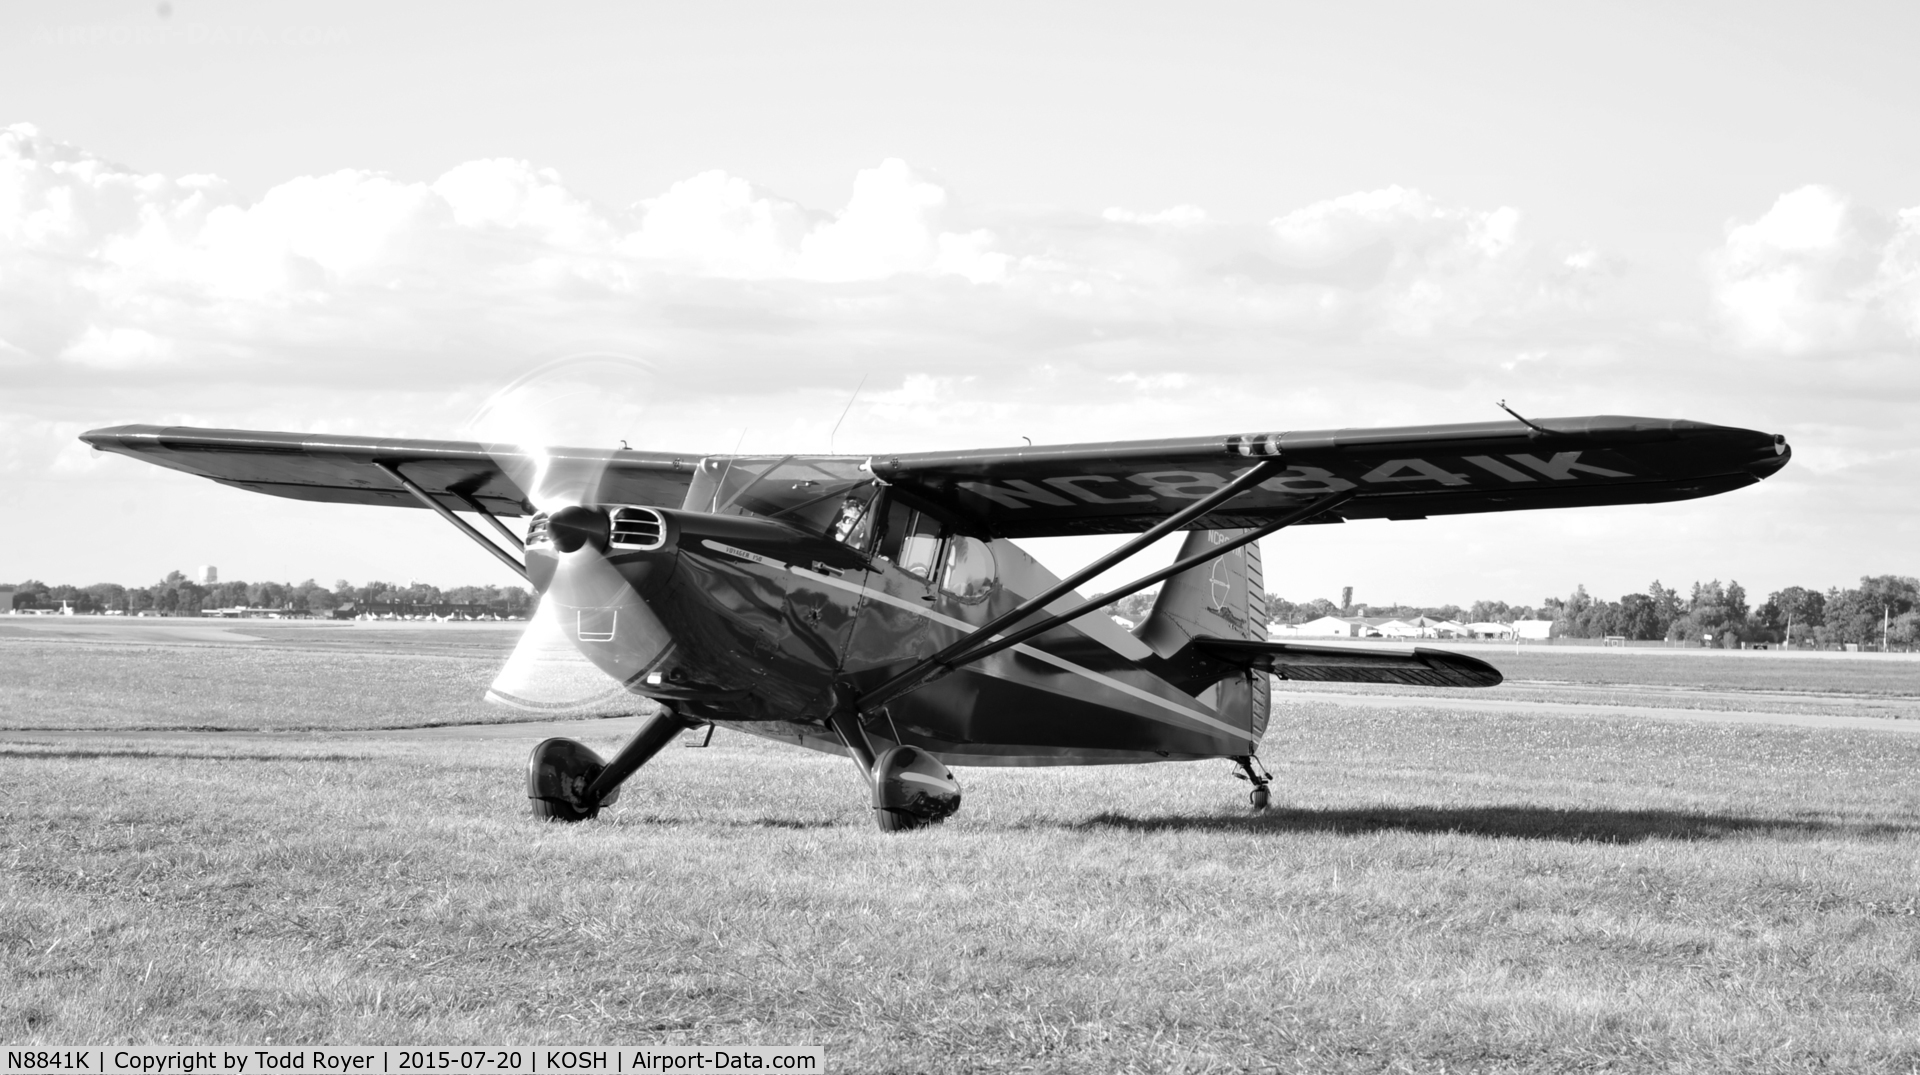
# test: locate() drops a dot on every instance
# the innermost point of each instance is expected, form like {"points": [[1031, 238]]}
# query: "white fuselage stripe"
{"points": [[1040, 655]]}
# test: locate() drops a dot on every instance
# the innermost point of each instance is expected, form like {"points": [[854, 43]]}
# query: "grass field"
{"points": [[257, 675], [1435, 889]]}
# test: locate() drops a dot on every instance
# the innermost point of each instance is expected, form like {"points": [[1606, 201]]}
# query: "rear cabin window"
{"points": [[969, 573]]}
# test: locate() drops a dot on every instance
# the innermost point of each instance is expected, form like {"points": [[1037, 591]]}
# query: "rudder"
{"points": [[1225, 598]]}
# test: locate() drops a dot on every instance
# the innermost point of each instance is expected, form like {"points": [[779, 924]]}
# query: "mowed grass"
{"points": [[1752, 670], [1434, 891], [83, 685], [185, 674], [1855, 685]]}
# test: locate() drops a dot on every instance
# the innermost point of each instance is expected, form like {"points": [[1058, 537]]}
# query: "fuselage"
{"points": [[752, 621]]}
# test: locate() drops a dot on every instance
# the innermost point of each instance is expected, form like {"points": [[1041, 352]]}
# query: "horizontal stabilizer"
{"points": [[1418, 667]]}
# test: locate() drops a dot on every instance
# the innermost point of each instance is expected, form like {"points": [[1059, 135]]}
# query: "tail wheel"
{"points": [[1259, 797]]}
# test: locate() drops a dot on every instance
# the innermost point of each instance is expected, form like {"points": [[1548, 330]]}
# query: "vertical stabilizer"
{"points": [[1225, 598]]}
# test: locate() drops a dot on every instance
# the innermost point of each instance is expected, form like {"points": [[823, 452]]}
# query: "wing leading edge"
{"points": [[1407, 472], [341, 470]]}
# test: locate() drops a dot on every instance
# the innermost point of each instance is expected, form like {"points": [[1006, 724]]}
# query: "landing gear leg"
{"points": [[911, 789], [568, 782], [1256, 774]]}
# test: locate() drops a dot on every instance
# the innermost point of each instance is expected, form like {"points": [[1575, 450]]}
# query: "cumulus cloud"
{"points": [[1817, 273], [133, 296], [357, 302], [108, 267]]}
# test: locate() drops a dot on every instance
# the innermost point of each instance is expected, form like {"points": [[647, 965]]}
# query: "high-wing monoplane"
{"points": [[878, 607]]}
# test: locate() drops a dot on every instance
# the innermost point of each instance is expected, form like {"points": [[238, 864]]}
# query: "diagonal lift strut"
{"points": [[981, 642], [393, 471], [992, 646]]}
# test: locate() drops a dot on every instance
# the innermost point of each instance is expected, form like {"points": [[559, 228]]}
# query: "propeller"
{"points": [[590, 633]]}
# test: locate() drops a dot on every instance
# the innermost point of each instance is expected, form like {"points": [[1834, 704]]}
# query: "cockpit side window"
{"points": [[898, 518], [853, 522], [921, 550], [912, 540]]}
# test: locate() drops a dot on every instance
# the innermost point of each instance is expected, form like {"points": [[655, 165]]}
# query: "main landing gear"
{"points": [[568, 782], [1260, 796], [911, 789]]}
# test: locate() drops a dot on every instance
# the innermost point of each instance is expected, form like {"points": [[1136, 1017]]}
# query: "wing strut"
{"points": [[499, 527], [970, 648], [994, 646], [942, 660], [465, 527]]}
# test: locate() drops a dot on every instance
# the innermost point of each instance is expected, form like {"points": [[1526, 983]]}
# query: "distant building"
{"points": [[1533, 630], [209, 574], [242, 612], [1324, 627], [442, 610], [1487, 629], [6, 600], [1377, 627]]}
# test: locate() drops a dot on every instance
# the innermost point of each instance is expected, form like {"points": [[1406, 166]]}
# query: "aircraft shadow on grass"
{"points": [[1575, 825]]}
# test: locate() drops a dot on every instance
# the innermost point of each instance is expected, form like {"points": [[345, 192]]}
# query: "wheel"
{"points": [[898, 821], [1259, 797], [558, 773], [557, 810]]}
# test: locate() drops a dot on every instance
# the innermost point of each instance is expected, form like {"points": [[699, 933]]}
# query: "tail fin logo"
{"points": [[1220, 585]]}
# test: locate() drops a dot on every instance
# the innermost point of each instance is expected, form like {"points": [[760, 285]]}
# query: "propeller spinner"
{"points": [[591, 634]]}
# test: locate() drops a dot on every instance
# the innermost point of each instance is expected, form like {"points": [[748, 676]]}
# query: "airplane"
{"points": [[878, 607]]}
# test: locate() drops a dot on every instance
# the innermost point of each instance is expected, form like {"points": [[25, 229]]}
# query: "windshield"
{"points": [[809, 492]]}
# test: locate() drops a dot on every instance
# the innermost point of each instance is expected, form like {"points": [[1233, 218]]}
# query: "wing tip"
{"points": [[1464, 670]]}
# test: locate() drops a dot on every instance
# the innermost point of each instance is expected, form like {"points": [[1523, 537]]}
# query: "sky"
{"points": [[980, 223]]}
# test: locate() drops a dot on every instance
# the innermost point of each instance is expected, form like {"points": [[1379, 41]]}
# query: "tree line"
{"points": [[1883, 609], [178, 595], [1711, 613]]}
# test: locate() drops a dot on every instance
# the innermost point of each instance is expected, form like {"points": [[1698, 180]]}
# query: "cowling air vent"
{"points": [[637, 528], [537, 533]]}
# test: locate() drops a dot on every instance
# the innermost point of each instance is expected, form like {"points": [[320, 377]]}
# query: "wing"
{"points": [[341, 470], [1408, 472], [1418, 667]]}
